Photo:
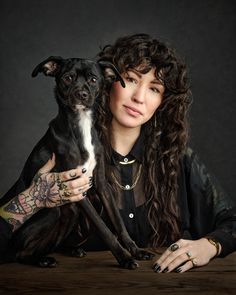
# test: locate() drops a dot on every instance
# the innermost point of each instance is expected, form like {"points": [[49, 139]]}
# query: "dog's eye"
{"points": [[68, 79], [93, 80]]}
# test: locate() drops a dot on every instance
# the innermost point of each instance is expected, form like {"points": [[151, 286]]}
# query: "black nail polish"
{"points": [[84, 194], [155, 265], [165, 270], [178, 269], [84, 170], [157, 268]]}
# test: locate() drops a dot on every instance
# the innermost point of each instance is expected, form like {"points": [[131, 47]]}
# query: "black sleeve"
{"points": [[5, 237], [211, 212]]}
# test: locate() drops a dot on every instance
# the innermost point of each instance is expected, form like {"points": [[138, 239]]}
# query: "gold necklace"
{"points": [[126, 162], [128, 187]]}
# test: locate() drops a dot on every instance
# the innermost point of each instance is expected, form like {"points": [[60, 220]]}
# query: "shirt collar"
{"points": [[135, 153]]}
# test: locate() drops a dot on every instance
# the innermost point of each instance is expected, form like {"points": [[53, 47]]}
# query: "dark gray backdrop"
{"points": [[202, 31]]}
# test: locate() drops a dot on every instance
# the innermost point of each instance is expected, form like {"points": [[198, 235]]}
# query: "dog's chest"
{"points": [[85, 126]]}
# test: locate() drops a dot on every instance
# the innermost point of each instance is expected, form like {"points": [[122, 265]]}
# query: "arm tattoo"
{"points": [[46, 191], [18, 210]]}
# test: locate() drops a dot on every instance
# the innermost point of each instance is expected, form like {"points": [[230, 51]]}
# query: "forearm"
{"points": [[19, 209]]}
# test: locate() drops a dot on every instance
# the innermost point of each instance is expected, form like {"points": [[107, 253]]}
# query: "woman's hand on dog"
{"points": [[51, 189], [48, 189]]}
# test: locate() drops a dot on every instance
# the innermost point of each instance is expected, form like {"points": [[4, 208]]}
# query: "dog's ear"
{"points": [[50, 66], [111, 73]]}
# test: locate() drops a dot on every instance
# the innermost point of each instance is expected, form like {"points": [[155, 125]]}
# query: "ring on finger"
{"points": [[194, 262], [189, 254], [72, 174], [174, 247]]}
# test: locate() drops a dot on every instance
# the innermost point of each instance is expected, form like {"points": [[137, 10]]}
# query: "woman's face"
{"points": [[135, 104]]}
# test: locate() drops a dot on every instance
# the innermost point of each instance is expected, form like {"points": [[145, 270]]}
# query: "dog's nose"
{"points": [[84, 94]]}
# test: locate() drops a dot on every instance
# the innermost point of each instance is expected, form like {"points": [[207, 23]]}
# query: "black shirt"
{"points": [[205, 208]]}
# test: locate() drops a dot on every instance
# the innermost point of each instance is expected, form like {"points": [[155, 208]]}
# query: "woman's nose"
{"points": [[139, 95]]}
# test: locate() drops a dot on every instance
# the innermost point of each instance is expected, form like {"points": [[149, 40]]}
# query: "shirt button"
{"points": [[126, 160], [131, 215]]}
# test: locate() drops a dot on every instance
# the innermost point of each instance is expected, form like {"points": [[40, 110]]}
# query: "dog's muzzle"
{"points": [[81, 95]]}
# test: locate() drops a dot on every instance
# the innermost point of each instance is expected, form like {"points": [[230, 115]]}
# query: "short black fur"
{"points": [[78, 83]]}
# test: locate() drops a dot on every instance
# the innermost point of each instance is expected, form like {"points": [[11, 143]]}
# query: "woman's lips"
{"points": [[132, 111]]}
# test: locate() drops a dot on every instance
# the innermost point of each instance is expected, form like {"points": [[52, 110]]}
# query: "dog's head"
{"points": [[78, 81]]}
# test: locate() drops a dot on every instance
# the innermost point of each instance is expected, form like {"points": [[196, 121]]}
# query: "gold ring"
{"points": [[194, 262], [189, 254]]}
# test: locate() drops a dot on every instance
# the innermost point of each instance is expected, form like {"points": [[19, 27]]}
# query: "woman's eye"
{"points": [[129, 79], [155, 90]]}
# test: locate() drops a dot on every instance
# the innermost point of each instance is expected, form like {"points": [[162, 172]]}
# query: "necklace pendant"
{"points": [[127, 187]]}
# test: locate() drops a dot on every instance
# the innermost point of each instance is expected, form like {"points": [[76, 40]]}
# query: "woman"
{"points": [[163, 191]]}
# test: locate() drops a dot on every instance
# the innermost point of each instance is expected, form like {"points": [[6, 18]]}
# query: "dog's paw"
{"points": [[78, 252], [129, 263], [47, 262], [141, 254]]}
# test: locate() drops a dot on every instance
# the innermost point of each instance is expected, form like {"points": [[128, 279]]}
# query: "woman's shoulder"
{"points": [[192, 163], [188, 156]]}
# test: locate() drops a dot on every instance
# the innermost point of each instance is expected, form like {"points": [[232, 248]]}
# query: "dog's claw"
{"points": [[47, 262], [129, 264], [143, 255], [78, 252]]}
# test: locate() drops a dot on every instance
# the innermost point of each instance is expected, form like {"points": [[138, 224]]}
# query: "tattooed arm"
{"points": [[48, 189]]}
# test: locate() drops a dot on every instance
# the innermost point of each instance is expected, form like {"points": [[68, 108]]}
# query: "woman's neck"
{"points": [[123, 139]]}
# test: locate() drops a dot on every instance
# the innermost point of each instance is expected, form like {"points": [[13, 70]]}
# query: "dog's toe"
{"points": [[47, 262], [78, 252], [130, 264], [143, 255]]}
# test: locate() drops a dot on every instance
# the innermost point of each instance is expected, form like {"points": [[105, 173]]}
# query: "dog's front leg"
{"points": [[108, 201], [122, 255]]}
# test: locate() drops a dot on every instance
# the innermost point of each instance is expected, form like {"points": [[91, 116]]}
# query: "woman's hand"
{"points": [[51, 189], [184, 255], [48, 189]]}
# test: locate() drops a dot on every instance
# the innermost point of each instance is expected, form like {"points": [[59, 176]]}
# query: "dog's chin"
{"points": [[80, 107]]}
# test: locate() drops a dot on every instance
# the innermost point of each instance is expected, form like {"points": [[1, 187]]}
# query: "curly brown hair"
{"points": [[166, 132]]}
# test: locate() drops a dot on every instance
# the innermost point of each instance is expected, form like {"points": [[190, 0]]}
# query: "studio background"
{"points": [[202, 31]]}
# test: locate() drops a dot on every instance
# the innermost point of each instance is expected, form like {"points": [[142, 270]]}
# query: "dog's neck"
{"points": [[76, 128], [80, 121]]}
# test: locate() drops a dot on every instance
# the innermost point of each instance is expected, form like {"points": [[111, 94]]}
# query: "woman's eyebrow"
{"points": [[156, 82], [135, 72]]}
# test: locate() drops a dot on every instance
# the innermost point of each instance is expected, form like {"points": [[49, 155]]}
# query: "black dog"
{"points": [[74, 141]]}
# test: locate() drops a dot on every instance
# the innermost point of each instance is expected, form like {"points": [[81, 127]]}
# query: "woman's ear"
{"points": [[111, 73]]}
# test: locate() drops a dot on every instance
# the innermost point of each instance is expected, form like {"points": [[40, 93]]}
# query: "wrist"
{"points": [[215, 244]]}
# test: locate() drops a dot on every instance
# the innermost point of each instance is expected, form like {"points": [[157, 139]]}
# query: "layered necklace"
{"points": [[127, 187]]}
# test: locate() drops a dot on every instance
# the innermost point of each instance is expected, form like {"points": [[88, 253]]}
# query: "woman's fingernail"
{"points": [[156, 267], [84, 170], [84, 194], [165, 270], [178, 269]]}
